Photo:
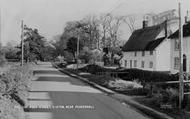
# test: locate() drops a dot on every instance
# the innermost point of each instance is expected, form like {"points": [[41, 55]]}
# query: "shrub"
{"points": [[101, 80], [166, 97], [10, 109], [14, 86], [2, 60]]}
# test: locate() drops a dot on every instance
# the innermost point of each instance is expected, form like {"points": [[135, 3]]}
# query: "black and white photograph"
{"points": [[94, 59]]}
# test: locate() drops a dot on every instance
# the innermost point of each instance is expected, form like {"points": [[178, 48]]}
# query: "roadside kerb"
{"points": [[146, 110]]}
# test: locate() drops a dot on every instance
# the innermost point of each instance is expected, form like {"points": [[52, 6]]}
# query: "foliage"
{"points": [[101, 80], [10, 109], [132, 74], [72, 45], [94, 69], [2, 60], [95, 32], [10, 51], [14, 91], [2, 57], [166, 97], [36, 47], [86, 55], [90, 56]]}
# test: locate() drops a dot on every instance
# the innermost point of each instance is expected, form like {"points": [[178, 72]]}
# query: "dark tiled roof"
{"points": [[153, 44], [186, 31], [144, 39]]}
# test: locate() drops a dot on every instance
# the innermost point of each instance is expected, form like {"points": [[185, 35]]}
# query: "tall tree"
{"points": [[34, 45], [130, 21], [72, 46]]}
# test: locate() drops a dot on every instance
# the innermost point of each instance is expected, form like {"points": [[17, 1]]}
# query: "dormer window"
{"points": [[177, 45]]}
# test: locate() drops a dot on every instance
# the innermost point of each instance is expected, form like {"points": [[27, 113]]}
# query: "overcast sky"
{"points": [[50, 16]]}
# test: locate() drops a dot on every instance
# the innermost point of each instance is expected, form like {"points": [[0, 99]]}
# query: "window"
{"points": [[142, 64], [150, 64], [135, 54], [143, 53], [131, 63], [176, 63], [135, 63], [176, 44], [151, 52], [125, 63]]}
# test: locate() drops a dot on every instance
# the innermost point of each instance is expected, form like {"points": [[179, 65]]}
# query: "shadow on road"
{"points": [[55, 95]]}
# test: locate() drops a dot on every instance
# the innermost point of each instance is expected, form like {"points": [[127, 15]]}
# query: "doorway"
{"points": [[184, 63]]}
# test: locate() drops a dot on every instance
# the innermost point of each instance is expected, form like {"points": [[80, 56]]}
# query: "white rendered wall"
{"points": [[163, 56], [175, 53], [147, 59]]}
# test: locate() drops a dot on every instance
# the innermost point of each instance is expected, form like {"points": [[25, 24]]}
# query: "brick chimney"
{"points": [[145, 23], [187, 18]]}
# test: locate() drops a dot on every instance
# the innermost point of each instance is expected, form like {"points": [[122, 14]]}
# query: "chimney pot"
{"points": [[145, 23]]}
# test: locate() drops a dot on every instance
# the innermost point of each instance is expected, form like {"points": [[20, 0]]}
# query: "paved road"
{"points": [[55, 95]]}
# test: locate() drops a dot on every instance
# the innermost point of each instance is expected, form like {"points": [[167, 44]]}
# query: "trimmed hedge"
{"points": [[131, 74]]}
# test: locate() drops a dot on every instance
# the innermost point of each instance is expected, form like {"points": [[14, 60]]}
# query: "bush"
{"points": [[131, 74], [2, 60], [94, 69], [14, 91], [101, 80], [166, 97], [10, 109]]}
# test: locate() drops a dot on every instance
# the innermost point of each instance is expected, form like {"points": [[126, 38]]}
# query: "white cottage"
{"points": [[174, 38], [148, 49]]}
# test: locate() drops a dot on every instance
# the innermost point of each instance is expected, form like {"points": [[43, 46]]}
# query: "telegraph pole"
{"points": [[181, 78], [22, 43], [78, 43], [0, 30]]}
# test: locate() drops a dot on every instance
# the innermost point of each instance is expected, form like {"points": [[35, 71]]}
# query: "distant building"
{"points": [[175, 49], [171, 16], [148, 49]]}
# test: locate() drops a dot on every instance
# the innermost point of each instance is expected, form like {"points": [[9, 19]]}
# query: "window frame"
{"points": [[135, 63], [143, 53], [131, 63], [125, 63], [176, 63], [151, 52], [151, 64], [142, 64], [135, 54], [176, 45]]}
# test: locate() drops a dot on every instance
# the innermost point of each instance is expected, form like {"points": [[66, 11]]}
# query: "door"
{"points": [[184, 63]]}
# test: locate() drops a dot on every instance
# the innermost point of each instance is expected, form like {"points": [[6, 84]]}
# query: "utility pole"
{"points": [[22, 43], [78, 43], [0, 30], [181, 83]]}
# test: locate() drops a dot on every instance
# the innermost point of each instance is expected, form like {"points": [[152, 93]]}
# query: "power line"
{"points": [[116, 5]]}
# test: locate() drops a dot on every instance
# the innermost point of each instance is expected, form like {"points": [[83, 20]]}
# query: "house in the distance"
{"points": [[174, 38], [148, 49]]}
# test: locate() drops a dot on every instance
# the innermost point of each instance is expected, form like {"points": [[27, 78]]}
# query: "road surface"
{"points": [[55, 95]]}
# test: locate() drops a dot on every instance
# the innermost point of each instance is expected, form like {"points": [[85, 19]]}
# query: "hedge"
{"points": [[131, 74]]}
